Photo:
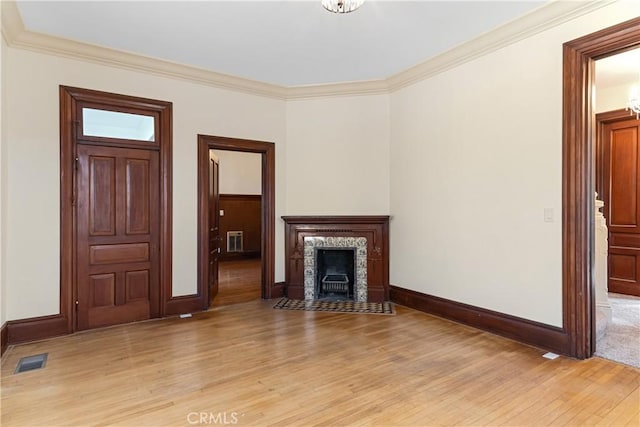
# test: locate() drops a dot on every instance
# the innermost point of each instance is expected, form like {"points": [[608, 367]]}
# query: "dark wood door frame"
{"points": [[578, 178], [267, 151], [69, 99]]}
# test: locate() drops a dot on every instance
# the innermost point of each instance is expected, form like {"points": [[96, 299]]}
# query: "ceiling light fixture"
{"points": [[341, 6]]}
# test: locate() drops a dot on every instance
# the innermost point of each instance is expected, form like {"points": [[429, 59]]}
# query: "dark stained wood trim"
{"points": [[241, 196], [36, 328], [376, 227], [267, 151], [70, 97], [183, 304], [336, 219], [235, 256], [578, 178], [67, 210], [166, 208], [527, 331], [278, 290], [4, 338]]}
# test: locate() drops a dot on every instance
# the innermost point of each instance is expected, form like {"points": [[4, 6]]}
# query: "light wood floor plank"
{"points": [[238, 281], [272, 367]]}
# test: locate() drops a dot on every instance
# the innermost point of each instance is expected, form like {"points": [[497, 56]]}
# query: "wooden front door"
{"points": [[117, 235], [621, 194], [214, 224]]}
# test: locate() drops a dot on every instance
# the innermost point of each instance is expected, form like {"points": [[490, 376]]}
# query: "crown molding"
{"points": [[365, 87], [545, 17], [12, 24], [538, 20], [17, 36]]}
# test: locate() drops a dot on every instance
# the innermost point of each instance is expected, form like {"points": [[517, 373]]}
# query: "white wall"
{"points": [[612, 97], [33, 168], [476, 157], [350, 157], [240, 173], [338, 156]]}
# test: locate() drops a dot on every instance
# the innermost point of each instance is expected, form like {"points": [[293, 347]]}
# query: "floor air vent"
{"points": [[31, 363]]}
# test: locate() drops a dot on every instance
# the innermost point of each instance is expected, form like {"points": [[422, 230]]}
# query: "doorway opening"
{"points": [[239, 223], [210, 239], [617, 232], [578, 179]]}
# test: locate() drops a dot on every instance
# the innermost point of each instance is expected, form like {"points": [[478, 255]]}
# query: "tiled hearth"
{"points": [[368, 236], [359, 244]]}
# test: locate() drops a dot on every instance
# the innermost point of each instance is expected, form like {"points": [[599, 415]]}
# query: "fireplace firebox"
{"points": [[335, 273]]}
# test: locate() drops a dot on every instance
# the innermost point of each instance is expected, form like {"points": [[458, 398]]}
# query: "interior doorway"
{"points": [[236, 208], [578, 178], [208, 145]]}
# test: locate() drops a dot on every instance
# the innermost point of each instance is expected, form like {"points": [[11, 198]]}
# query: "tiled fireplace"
{"points": [[337, 258], [325, 273]]}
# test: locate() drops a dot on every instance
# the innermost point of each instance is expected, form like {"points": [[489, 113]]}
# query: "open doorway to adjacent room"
{"points": [[236, 220], [239, 211], [617, 232]]}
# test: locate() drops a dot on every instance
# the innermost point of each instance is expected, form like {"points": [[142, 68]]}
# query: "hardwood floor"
{"points": [[238, 281], [259, 366]]}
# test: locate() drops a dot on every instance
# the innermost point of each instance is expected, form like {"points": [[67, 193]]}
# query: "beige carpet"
{"points": [[621, 341]]}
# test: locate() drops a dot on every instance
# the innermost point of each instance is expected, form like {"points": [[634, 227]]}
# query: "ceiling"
{"points": [[288, 43]]}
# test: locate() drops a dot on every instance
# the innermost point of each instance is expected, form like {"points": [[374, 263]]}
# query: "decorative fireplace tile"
{"points": [[357, 243]]}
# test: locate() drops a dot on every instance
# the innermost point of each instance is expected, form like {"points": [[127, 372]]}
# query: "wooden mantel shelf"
{"points": [[337, 219], [375, 228]]}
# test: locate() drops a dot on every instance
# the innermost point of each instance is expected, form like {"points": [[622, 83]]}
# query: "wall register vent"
{"points": [[234, 241], [31, 363]]}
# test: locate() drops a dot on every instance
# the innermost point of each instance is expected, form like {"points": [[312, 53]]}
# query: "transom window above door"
{"points": [[118, 125]]}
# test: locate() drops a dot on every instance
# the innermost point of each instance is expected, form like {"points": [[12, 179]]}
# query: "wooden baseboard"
{"points": [[294, 291], [277, 291], [238, 256], [4, 338], [375, 294], [37, 328], [523, 330], [183, 304]]}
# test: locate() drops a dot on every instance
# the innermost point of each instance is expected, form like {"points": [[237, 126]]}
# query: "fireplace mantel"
{"points": [[374, 228]]}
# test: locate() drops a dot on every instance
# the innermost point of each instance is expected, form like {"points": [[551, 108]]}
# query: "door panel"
{"points": [[624, 180], [137, 285], [117, 235], [115, 254], [137, 200], [621, 195], [214, 224], [102, 196], [623, 267], [103, 289]]}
